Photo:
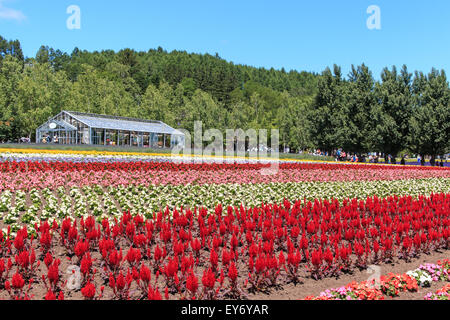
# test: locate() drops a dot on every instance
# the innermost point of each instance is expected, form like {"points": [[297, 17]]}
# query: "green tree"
{"points": [[41, 93], [326, 115], [392, 112], [10, 76], [357, 108], [93, 93], [43, 55], [293, 122], [242, 116], [156, 104], [430, 122], [11, 48], [204, 108]]}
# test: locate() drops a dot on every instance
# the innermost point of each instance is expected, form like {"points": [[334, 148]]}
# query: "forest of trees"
{"points": [[401, 112]]}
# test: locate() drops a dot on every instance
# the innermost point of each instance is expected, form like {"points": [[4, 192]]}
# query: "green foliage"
{"points": [[430, 123], [360, 101], [177, 88], [327, 114], [392, 114], [324, 111], [11, 48], [398, 113]]}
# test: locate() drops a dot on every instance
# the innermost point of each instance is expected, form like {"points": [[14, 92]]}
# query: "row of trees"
{"points": [[326, 111], [401, 112], [177, 88]]}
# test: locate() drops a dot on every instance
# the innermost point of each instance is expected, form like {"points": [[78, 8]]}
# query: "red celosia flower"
{"points": [[192, 283], [17, 281], [86, 264], [166, 293], [50, 295], [208, 279], [53, 272], [88, 291], [158, 253], [145, 274], [23, 259], [19, 242], [214, 259], [66, 224], [120, 282], [316, 258], [232, 272], [48, 259], [171, 268], [153, 294], [133, 256], [46, 239]]}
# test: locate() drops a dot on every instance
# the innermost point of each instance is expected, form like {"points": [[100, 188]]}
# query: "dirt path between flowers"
{"points": [[314, 287]]}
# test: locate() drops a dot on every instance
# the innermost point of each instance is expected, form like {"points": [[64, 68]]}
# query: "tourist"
{"points": [[338, 155], [403, 162]]}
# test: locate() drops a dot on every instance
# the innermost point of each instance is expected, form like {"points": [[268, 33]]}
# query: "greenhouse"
{"points": [[76, 128]]}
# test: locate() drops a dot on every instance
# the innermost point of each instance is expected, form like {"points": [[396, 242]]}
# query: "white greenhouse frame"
{"points": [[77, 128]]}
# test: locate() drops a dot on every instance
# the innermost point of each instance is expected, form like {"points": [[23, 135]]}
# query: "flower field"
{"points": [[393, 285], [90, 226]]}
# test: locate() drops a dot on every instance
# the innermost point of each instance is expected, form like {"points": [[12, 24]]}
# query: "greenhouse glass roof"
{"points": [[122, 123], [59, 125]]}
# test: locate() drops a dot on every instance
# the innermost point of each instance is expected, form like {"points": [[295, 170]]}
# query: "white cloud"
{"points": [[10, 14]]}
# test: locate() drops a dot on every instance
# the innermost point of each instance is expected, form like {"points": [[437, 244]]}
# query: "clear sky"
{"points": [[295, 34]]}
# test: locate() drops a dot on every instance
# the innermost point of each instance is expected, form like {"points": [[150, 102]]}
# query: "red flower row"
{"points": [[42, 166]]}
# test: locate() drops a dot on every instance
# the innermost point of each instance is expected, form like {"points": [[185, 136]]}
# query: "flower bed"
{"points": [[109, 201], [353, 291], [210, 230], [38, 190], [15, 176], [227, 253], [392, 285], [441, 294]]}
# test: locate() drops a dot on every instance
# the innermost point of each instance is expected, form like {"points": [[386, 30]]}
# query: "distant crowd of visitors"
{"points": [[341, 155]]}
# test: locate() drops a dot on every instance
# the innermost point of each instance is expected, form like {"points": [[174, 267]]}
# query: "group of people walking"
{"points": [[344, 156]]}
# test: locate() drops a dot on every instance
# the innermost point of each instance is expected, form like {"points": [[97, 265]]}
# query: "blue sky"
{"points": [[294, 34]]}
